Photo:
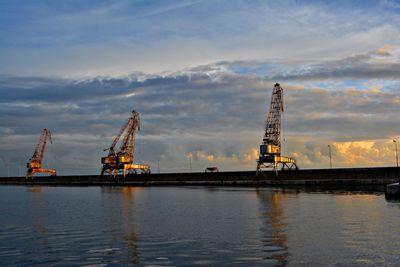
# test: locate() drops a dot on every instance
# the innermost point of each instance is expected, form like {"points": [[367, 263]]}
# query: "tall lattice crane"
{"points": [[35, 162], [122, 159], [270, 149]]}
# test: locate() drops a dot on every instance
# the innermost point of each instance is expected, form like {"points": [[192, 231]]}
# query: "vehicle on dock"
{"points": [[212, 169]]}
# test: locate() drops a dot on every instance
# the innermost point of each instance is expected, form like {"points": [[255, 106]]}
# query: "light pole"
{"points": [[190, 162], [330, 156], [397, 155]]}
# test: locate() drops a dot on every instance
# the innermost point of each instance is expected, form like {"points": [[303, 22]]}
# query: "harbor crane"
{"points": [[35, 162], [270, 149], [122, 159]]}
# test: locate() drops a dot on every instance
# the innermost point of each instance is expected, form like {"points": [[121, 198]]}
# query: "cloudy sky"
{"points": [[201, 75]]}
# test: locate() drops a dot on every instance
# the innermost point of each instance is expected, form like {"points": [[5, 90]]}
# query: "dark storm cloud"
{"points": [[373, 65], [344, 113], [372, 71], [85, 115], [56, 90]]}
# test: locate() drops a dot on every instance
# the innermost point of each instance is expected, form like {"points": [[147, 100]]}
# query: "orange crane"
{"points": [[270, 149], [122, 160], [35, 162]]}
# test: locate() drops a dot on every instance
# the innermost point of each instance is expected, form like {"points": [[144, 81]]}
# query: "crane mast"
{"points": [[35, 162], [122, 159], [270, 149]]}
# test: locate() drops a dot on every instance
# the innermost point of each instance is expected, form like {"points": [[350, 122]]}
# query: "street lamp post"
{"points": [[397, 155], [330, 156], [189, 156]]}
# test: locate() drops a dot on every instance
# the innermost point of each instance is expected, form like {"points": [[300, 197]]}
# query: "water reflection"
{"points": [[128, 228], [37, 208], [34, 189], [121, 226], [274, 235]]}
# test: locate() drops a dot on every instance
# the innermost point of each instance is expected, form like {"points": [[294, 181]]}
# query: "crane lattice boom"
{"points": [[116, 139], [273, 123], [128, 143]]}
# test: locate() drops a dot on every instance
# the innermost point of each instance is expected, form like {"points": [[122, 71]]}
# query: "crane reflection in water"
{"points": [[274, 236], [37, 218], [128, 227]]}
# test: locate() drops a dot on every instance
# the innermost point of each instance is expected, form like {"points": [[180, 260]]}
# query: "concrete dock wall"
{"points": [[312, 177]]}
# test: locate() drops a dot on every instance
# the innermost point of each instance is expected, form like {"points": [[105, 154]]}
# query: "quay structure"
{"points": [[343, 177]]}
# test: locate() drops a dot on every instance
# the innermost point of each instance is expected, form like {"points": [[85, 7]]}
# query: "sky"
{"points": [[201, 75]]}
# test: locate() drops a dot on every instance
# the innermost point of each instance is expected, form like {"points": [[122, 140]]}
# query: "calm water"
{"points": [[94, 226]]}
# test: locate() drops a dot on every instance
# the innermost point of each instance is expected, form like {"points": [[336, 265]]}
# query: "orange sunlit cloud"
{"points": [[384, 50], [349, 154], [367, 153]]}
